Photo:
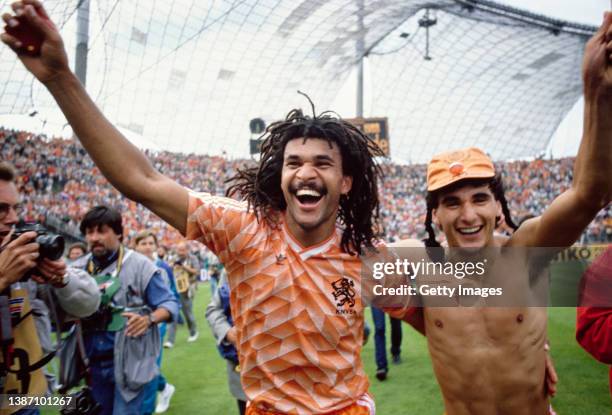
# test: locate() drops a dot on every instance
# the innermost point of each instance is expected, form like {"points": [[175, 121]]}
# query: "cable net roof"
{"points": [[189, 75]]}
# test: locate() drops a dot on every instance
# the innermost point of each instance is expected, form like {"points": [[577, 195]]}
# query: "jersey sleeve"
{"points": [[224, 225]]}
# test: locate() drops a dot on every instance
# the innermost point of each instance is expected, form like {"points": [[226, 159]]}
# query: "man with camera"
{"points": [[122, 341], [32, 281]]}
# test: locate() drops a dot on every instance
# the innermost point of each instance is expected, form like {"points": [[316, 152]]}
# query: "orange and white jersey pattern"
{"points": [[298, 311]]}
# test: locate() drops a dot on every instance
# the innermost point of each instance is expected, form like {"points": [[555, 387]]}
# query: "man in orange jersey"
{"points": [[290, 250]]}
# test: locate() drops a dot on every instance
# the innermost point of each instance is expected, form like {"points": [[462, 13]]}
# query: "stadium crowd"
{"points": [[58, 180]]}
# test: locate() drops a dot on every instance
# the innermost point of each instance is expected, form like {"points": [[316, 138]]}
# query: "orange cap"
{"points": [[450, 167]]}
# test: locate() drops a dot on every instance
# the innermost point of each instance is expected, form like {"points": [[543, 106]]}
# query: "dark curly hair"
{"points": [[359, 209], [497, 188]]}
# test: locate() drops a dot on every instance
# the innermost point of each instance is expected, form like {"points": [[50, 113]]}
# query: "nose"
{"points": [[468, 213], [306, 172], [93, 236]]}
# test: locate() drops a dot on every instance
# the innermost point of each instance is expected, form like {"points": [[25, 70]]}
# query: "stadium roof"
{"points": [[189, 75]]}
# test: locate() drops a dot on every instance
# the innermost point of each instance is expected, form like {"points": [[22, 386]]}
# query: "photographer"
{"points": [[25, 327], [122, 340]]}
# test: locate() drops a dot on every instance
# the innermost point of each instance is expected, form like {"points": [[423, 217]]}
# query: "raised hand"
{"points": [[52, 61], [597, 62]]}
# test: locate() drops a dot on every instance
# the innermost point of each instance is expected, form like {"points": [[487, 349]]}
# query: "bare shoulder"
{"points": [[522, 236]]}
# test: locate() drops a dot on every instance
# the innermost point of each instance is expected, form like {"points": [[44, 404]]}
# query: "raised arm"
{"points": [[125, 167], [569, 214]]}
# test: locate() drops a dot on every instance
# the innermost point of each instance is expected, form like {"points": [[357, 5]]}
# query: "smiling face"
{"points": [[312, 183], [468, 216]]}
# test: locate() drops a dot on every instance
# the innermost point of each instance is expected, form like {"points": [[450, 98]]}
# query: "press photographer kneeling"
{"points": [[34, 282]]}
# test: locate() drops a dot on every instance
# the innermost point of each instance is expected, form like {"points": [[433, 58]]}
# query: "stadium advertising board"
{"points": [[376, 128]]}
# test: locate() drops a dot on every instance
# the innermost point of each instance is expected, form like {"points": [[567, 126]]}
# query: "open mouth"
{"points": [[470, 231], [308, 197]]}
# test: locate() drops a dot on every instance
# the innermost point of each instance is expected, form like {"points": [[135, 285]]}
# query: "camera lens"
{"points": [[51, 246]]}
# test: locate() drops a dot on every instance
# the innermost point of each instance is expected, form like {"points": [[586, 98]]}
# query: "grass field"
{"points": [[199, 375]]}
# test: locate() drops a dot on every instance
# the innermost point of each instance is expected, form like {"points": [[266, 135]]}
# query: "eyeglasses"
{"points": [[5, 209]]}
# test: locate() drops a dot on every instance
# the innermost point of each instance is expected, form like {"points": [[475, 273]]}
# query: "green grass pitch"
{"points": [[198, 372]]}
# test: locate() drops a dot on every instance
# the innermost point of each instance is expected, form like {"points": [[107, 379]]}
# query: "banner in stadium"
{"points": [[581, 253]]}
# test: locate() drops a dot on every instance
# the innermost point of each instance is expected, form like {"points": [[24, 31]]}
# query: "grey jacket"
{"points": [[79, 298], [134, 357], [220, 326]]}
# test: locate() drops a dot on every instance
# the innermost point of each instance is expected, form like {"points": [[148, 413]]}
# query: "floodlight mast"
{"points": [[82, 35], [82, 45], [360, 54], [427, 22]]}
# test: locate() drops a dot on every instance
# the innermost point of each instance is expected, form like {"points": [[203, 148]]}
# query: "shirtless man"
{"points": [[491, 360]]}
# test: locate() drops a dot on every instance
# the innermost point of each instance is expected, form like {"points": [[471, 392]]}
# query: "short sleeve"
{"points": [[224, 225]]}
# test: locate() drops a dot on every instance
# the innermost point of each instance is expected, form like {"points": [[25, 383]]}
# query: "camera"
{"points": [[83, 404], [51, 246]]}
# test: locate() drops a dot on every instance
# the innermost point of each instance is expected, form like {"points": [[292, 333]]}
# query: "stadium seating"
{"points": [[60, 183]]}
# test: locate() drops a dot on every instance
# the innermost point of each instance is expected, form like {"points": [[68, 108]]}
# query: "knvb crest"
{"points": [[344, 293]]}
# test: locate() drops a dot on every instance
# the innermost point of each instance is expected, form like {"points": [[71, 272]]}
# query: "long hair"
{"points": [[433, 198], [358, 212]]}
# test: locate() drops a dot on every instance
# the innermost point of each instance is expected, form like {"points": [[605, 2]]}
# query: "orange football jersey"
{"points": [[298, 311]]}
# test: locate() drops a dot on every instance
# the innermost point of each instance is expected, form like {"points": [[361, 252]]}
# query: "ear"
{"points": [[434, 218], [499, 214], [346, 185]]}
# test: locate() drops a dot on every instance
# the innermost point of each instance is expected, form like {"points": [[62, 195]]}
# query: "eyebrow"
{"points": [[319, 157], [324, 157], [449, 199]]}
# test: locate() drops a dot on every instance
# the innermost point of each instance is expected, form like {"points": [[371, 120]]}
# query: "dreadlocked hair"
{"points": [[497, 188], [358, 212]]}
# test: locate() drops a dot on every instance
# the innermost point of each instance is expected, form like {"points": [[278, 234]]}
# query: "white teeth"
{"points": [[469, 230], [308, 192]]}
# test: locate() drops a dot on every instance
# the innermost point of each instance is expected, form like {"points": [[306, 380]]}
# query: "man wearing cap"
{"points": [[491, 360]]}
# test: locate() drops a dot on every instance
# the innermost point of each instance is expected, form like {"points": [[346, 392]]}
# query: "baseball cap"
{"points": [[453, 166]]}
